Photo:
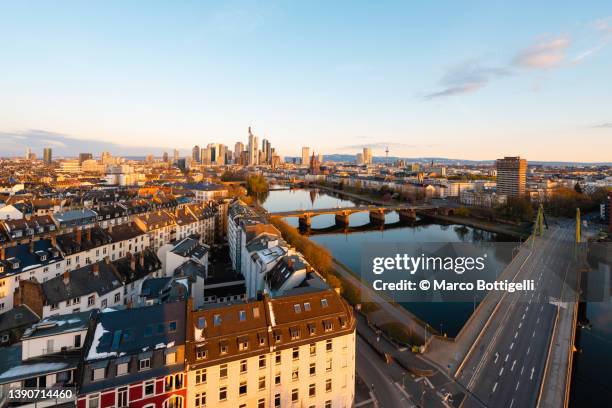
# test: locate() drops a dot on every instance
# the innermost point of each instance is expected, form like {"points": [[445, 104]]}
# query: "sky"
{"points": [[457, 79]]}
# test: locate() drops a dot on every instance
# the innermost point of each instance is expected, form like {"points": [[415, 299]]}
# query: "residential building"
{"points": [[511, 176]]}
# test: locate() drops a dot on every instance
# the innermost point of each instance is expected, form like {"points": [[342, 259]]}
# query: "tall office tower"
{"points": [[305, 156], [221, 153], [28, 153], [195, 153], [252, 148], [205, 155], [150, 158], [85, 156], [267, 149], [47, 155], [238, 149], [367, 155], [175, 156], [511, 176], [359, 159], [320, 158], [164, 157]]}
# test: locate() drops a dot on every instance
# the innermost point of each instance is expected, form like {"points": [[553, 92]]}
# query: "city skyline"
{"points": [[470, 87]]}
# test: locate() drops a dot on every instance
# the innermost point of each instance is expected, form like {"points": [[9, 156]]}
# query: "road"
{"points": [[506, 365], [374, 372]]}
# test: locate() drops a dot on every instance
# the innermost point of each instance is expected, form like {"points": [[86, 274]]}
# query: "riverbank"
{"points": [[505, 229]]}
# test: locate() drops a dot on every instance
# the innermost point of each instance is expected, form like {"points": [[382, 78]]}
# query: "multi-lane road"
{"points": [[506, 365]]}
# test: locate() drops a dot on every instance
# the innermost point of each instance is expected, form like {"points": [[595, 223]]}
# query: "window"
{"points": [[312, 390], [295, 374], [98, 374], [277, 378], [201, 322], [262, 361], [313, 369], [122, 369], [295, 396], [277, 401], [261, 403], [242, 389], [144, 364], [222, 393], [328, 345], [297, 308], [324, 303], [262, 383], [148, 388], [170, 358], [223, 348], [223, 371], [91, 300], [200, 377], [277, 358], [243, 366], [200, 400], [93, 401], [103, 304], [295, 333], [122, 397], [217, 320], [243, 344], [328, 326], [242, 315], [77, 341], [172, 327], [117, 297], [328, 365], [328, 404], [313, 349], [307, 306], [54, 306], [328, 385], [296, 353], [201, 352]]}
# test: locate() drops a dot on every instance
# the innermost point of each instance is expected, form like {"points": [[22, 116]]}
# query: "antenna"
{"points": [[387, 155]]}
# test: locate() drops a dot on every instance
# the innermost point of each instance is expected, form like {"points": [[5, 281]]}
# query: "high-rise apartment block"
{"points": [[305, 156], [511, 176], [47, 155]]}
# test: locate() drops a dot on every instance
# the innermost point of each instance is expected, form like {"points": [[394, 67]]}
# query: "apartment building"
{"points": [[136, 359], [291, 351], [511, 176]]}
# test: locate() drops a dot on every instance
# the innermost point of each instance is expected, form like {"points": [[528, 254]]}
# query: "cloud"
{"points": [[15, 143], [606, 125], [385, 145], [465, 78], [545, 54], [604, 25]]}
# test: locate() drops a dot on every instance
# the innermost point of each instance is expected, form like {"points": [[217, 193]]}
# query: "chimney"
{"points": [[88, 234], [66, 278], [95, 268], [32, 246], [142, 260], [2, 254], [132, 262], [53, 240], [110, 228], [78, 236]]}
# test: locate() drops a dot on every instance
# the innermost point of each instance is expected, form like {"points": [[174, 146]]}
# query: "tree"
{"points": [[257, 184]]}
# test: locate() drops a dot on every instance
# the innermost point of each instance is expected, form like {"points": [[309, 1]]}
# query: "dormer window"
{"points": [[324, 303], [217, 320], [328, 325], [243, 343], [307, 306], [242, 315], [297, 308]]}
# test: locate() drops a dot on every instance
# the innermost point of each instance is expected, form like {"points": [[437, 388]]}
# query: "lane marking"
{"points": [[506, 359], [494, 387], [532, 370], [513, 364], [511, 402], [515, 335], [496, 356], [533, 335], [528, 349], [517, 385], [520, 324], [501, 371], [522, 368], [511, 345]]}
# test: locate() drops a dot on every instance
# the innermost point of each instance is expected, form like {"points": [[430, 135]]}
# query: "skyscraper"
{"points": [[511, 176], [238, 149], [85, 156], [252, 148], [47, 155], [28, 153], [305, 155], [195, 153], [165, 157], [175, 156], [367, 155]]}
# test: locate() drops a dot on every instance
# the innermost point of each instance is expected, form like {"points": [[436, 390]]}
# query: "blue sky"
{"points": [[474, 80]]}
